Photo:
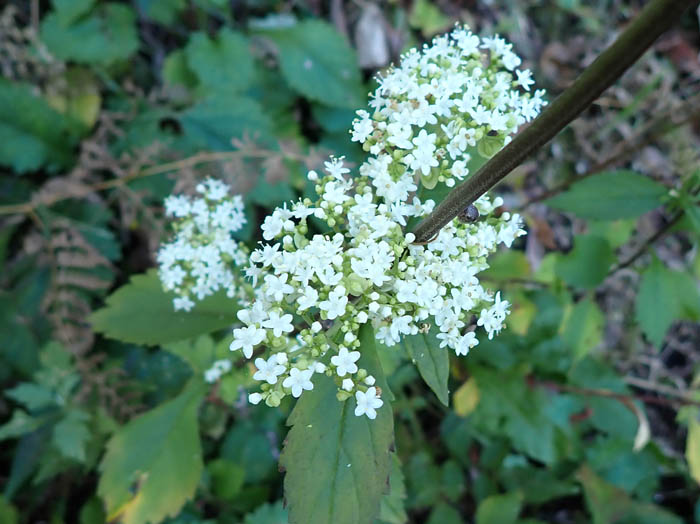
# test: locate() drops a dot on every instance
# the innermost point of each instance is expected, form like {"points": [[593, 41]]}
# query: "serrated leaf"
{"points": [[71, 434], [318, 63], [142, 313], [433, 362], [337, 464], [153, 464], [587, 264], [222, 63], [32, 134], [391, 509], [610, 196], [665, 296], [106, 36], [212, 123], [507, 406]]}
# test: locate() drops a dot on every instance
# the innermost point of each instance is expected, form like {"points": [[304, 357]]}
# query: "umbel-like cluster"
{"points": [[314, 285], [199, 260]]}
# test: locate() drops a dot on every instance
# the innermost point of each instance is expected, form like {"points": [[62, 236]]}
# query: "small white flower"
{"points": [[246, 339], [367, 403], [308, 299], [299, 381], [279, 324], [268, 370], [345, 360], [336, 303], [348, 384]]}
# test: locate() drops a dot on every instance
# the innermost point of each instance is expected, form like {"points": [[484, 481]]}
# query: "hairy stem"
{"points": [[656, 17]]}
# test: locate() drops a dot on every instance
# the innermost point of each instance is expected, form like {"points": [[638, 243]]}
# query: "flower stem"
{"points": [[656, 17]]}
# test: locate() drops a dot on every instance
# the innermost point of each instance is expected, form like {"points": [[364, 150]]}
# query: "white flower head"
{"points": [[344, 361], [367, 403], [298, 381]]}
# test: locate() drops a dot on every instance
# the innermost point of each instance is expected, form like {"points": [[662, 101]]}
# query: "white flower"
{"points": [[279, 324], [268, 370], [465, 343], [246, 339], [255, 398], [298, 381], [348, 384], [308, 299], [344, 361], [335, 168], [277, 286], [336, 303], [525, 79], [183, 304], [367, 403]]}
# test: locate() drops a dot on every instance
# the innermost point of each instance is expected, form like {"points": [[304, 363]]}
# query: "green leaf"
{"points": [[692, 448], [212, 123], [162, 11], [106, 36], [665, 296], [610, 196], [391, 508], [8, 513], [223, 63], [267, 514], [433, 362], [142, 313], [176, 71], [444, 514], [69, 10], [587, 264], [33, 396], [338, 464], [32, 134], [317, 62], [427, 17], [582, 327], [611, 505], [18, 425], [503, 509], [154, 463], [227, 478], [71, 434], [507, 406]]}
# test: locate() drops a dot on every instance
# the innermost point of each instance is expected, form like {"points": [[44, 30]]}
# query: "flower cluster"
{"points": [[439, 104], [319, 286], [200, 258]]}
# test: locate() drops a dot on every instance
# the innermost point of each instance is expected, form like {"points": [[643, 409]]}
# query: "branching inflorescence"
{"points": [[304, 296]]}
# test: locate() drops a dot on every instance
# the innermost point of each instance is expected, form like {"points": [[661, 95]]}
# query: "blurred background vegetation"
{"points": [[585, 410]]}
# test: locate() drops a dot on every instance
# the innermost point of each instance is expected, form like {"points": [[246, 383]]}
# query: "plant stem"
{"points": [[656, 17]]}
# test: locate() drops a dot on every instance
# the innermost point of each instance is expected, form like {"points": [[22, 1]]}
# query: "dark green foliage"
{"points": [[104, 413]]}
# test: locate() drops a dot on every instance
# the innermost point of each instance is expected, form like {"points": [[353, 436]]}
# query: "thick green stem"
{"points": [[656, 17]]}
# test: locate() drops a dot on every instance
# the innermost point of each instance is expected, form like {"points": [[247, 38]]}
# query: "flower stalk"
{"points": [[656, 18]]}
